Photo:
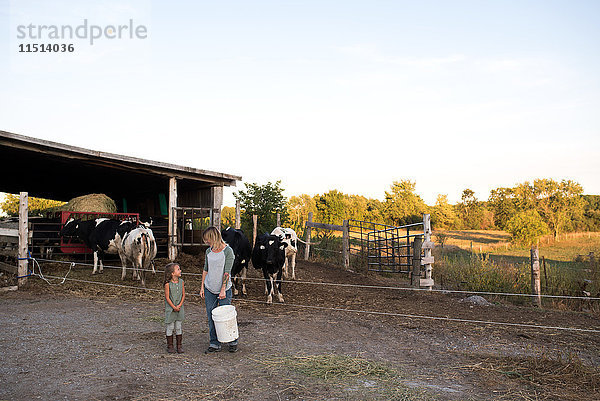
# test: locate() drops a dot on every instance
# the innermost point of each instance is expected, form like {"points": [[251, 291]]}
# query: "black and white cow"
{"points": [[288, 236], [139, 248], [240, 245], [100, 235], [269, 255]]}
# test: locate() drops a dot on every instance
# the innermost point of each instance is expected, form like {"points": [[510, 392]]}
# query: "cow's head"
{"points": [[271, 249], [70, 228]]}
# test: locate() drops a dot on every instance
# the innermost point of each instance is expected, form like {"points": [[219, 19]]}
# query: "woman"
{"points": [[216, 282]]}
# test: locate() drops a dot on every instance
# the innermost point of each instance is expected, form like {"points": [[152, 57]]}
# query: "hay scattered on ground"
{"points": [[550, 377], [332, 367], [90, 203]]}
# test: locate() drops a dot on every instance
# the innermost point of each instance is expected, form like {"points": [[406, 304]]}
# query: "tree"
{"points": [[443, 215], [331, 207], [503, 202], [470, 210], [558, 202], [298, 208], [227, 217], [527, 227], [36, 206], [402, 206], [264, 201]]}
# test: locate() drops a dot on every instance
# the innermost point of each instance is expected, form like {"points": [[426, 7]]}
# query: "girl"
{"points": [[174, 312], [216, 282]]}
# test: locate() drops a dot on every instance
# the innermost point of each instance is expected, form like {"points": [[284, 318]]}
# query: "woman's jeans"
{"points": [[212, 301]]}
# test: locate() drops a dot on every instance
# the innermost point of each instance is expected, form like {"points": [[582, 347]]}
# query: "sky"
{"points": [[322, 95]]}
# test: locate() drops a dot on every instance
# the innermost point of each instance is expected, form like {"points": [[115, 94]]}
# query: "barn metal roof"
{"points": [[58, 171]]}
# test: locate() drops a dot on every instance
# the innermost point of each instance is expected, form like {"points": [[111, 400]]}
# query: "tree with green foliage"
{"points": [[503, 203], [402, 206], [443, 215], [527, 227], [264, 201], [36, 206], [558, 202], [470, 210], [298, 208], [331, 207], [227, 217]]}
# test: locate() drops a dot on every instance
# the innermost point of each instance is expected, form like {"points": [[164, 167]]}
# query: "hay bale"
{"points": [[90, 203]]}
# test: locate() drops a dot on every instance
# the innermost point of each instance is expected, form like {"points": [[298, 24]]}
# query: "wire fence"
{"points": [[39, 274]]}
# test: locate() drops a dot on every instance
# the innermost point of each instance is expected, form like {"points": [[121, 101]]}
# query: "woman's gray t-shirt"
{"points": [[217, 264]]}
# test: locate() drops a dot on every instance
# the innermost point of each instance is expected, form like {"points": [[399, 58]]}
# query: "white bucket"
{"points": [[225, 323]]}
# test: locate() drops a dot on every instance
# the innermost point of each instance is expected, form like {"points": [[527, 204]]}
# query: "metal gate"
{"points": [[384, 248]]}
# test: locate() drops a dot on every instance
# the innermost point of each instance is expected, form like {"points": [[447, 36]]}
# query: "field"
{"points": [[83, 341]]}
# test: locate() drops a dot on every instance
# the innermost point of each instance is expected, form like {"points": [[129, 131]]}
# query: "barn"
{"points": [[172, 194]]}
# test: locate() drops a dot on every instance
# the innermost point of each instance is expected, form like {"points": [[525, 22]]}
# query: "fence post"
{"points": [[172, 248], [23, 238], [308, 228], [346, 245], [427, 258], [278, 219], [415, 279], [535, 277], [254, 224], [238, 214]]}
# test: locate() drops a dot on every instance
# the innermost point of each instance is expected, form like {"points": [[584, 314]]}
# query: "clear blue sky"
{"points": [[346, 95]]}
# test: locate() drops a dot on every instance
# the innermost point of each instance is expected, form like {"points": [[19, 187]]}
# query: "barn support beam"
{"points": [[172, 232], [23, 238], [216, 195]]}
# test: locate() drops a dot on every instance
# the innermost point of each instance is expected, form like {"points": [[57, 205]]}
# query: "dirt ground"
{"points": [[80, 341]]}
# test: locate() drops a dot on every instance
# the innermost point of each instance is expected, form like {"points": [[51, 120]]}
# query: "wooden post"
{"points": [[255, 224], [427, 258], [535, 277], [415, 278], [278, 219], [545, 275], [308, 229], [346, 245], [23, 237], [238, 214], [172, 248], [217, 203]]}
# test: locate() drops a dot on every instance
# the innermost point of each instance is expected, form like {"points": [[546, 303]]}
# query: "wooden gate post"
{"points": [[172, 248], [308, 228], [346, 245], [535, 277], [23, 237], [427, 258], [255, 224], [415, 278], [238, 214]]}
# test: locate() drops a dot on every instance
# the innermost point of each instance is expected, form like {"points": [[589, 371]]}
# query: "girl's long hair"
{"points": [[169, 269], [213, 234]]}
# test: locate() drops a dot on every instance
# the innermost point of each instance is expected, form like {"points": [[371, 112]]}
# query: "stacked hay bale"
{"points": [[90, 203]]}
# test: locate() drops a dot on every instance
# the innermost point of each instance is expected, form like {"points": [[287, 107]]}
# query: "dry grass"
{"points": [[549, 378], [332, 367]]}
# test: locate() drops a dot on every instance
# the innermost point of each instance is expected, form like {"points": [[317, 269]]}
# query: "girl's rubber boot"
{"points": [[179, 343], [170, 348]]}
